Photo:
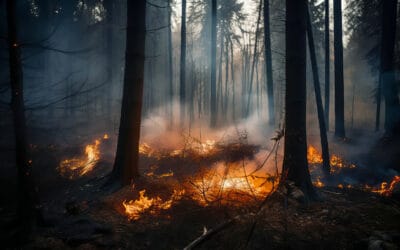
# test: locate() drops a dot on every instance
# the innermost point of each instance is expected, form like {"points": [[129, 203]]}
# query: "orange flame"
{"points": [[387, 190], [76, 167], [135, 208]]}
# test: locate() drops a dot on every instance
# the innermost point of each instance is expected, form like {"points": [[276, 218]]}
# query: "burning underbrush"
{"points": [[209, 173]]}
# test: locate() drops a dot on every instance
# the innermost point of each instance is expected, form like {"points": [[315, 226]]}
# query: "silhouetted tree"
{"points": [[182, 86], [26, 189], [295, 166], [327, 64], [339, 81], [268, 63], [213, 101], [386, 70], [126, 160]]}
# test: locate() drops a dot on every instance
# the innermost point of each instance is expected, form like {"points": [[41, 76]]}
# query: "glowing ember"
{"points": [[135, 208], [76, 167], [387, 190], [106, 137], [319, 183]]}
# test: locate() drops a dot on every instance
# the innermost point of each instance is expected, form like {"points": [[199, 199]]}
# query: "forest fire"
{"points": [[78, 166], [135, 208], [336, 162], [387, 189]]}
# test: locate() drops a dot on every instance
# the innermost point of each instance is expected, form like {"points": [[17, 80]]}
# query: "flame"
{"points": [[387, 189], [336, 163], [106, 137], [135, 208], [319, 183], [76, 167]]}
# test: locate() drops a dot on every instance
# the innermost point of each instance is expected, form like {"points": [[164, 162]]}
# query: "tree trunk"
{"points": [[127, 156], [109, 47], [182, 86], [268, 64], [387, 69], [339, 81], [170, 66], [327, 64], [318, 99], [213, 101], [26, 190], [295, 166], [254, 62]]}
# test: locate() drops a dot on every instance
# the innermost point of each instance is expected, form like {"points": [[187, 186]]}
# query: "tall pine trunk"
{"points": [[127, 156], [213, 101], [318, 98], [327, 64], [170, 66], [339, 81], [295, 166], [26, 190], [182, 86], [268, 63], [387, 69]]}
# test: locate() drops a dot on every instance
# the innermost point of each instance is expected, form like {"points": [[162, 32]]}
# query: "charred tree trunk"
{"points": [[327, 64], [268, 64], [26, 190], [295, 166], [339, 81], [317, 89], [182, 86], [213, 101], [127, 156], [387, 69]]}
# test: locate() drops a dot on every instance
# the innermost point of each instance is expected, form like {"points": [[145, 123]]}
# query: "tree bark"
{"points": [[387, 69], [213, 101], [127, 156], [318, 99], [170, 65], [327, 64], [26, 190], [339, 81], [295, 166], [268, 64]]}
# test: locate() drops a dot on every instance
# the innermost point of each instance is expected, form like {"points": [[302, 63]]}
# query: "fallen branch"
{"points": [[207, 235]]}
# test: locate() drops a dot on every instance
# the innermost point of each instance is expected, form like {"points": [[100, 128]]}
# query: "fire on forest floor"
{"points": [[208, 172]]}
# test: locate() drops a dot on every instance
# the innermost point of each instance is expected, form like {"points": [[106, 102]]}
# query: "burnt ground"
{"points": [[82, 214]]}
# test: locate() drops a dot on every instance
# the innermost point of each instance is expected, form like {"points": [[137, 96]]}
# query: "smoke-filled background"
{"points": [[73, 62]]}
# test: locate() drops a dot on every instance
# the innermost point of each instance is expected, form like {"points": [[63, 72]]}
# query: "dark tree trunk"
{"points": [[295, 166], [213, 101], [378, 106], [318, 98], [109, 47], [268, 64], [339, 81], [182, 86], [26, 189], [127, 156], [327, 64], [170, 65], [233, 80], [387, 69]]}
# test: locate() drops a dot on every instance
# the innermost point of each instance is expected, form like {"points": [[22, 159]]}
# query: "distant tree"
{"points": [[213, 101], [268, 63], [182, 85], [126, 160], [339, 80], [387, 69], [26, 189], [295, 166]]}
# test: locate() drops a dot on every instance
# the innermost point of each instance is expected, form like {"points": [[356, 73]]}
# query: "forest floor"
{"points": [[83, 214]]}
